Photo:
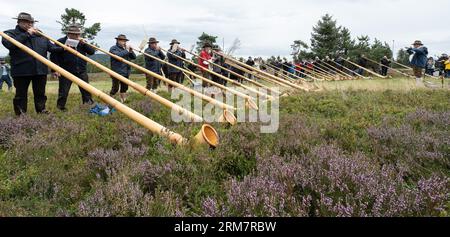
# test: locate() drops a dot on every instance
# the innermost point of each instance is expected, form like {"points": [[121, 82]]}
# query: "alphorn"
{"points": [[316, 73], [338, 70], [147, 123], [264, 73], [318, 68], [249, 100], [393, 69], [225, 78], [365, 69], [193, 117], [410, 68], [291, 79], [327, 67], [351, 71], [304, 73], [289, 73], [255, 74], [228, 70], [170, 82]]}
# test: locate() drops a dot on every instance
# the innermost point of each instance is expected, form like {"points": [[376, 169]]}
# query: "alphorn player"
{"points": [[124, 50], [204, 60], [72, 64], [386, 65], [419, 60], [175, 74], [362, 62], [25, 69], [152, 64]]}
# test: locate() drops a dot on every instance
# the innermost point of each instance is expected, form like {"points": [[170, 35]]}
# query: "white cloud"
{"points": [[265, 27]]}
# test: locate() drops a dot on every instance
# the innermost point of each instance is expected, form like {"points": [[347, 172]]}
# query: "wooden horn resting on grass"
{"points": [[393, 69], [248, 99], [264, 73], [193, 117], [130, 113], [365, 69], [226, 69], [225, 107]]}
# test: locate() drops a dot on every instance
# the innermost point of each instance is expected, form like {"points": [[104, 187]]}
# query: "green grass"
{"points": [[76, 164]]}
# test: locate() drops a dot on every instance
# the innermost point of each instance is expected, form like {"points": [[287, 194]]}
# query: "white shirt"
{"points": [[5, 73]]}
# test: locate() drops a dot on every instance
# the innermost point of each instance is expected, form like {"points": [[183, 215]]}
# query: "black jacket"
{"points": [[386, 62], [69, 61], [152, 64], [175, 60], [119, 67], [22, 64], [362, 62]]}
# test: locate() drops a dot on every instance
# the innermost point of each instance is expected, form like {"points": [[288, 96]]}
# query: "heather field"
{"points": [[357, 148]]}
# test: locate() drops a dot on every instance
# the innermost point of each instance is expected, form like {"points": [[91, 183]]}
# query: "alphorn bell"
{"points": [[154, 127], [193, 117], [207, 136], [221, 105], [248, 99]]}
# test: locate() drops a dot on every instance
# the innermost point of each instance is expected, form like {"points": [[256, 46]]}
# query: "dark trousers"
{"points": [[418, 72], [21, 99], [64, 89], [177, 77], [384, 71], [152, 82], [206, 75], [116, 85], [8, 81]]}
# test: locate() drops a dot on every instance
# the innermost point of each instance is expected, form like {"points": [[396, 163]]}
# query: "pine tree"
{"points": [[206, 38], [325, 37], [345, 41], [379, 50], [403, 57], [74, 16]]}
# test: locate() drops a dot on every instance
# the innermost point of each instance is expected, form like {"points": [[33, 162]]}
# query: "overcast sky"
{"points": [[264, 27]]}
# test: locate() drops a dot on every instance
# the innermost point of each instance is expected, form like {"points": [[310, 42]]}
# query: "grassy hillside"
{"points": [[351, 150]]}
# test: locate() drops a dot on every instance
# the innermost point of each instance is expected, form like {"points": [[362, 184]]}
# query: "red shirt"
{"points": [[204, 56]]}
